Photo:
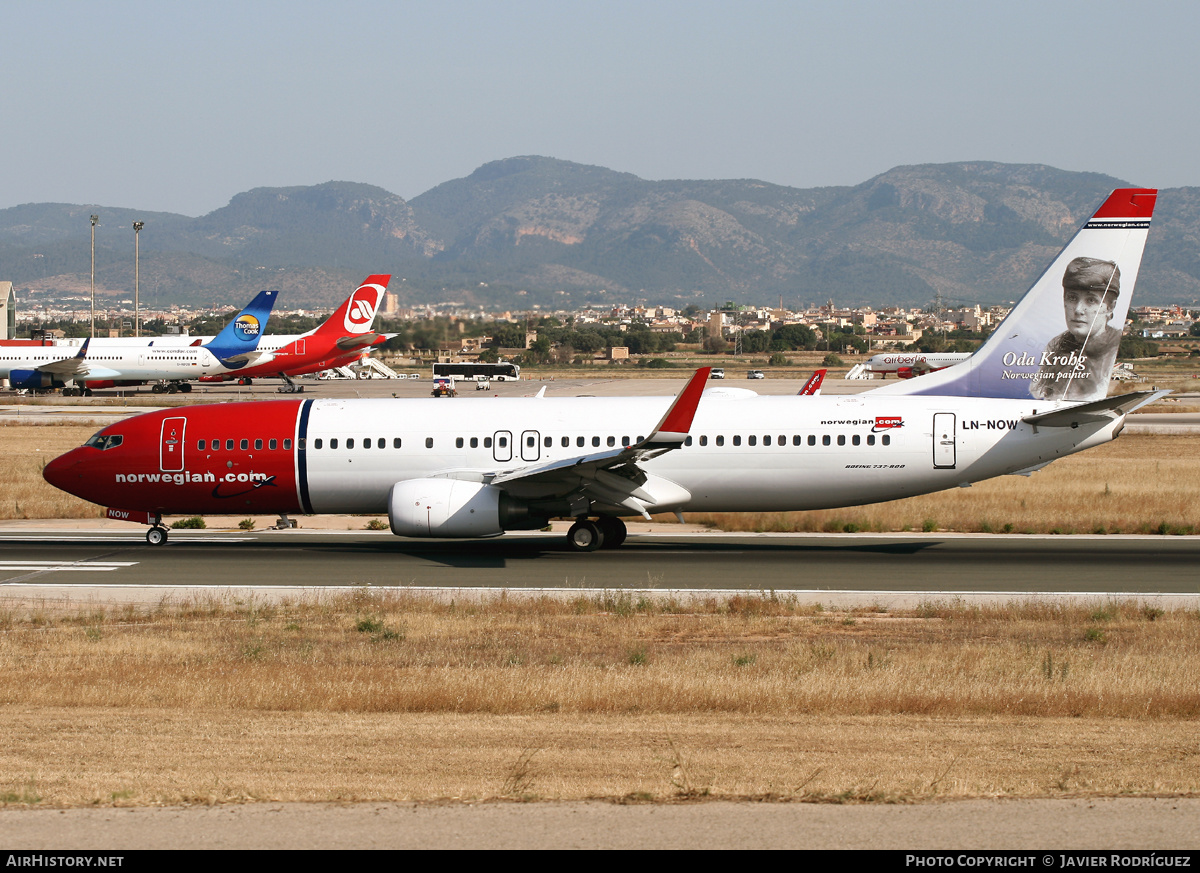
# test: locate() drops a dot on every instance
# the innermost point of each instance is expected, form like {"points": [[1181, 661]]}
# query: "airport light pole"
{"points": [[137, 252], [95, 221]]}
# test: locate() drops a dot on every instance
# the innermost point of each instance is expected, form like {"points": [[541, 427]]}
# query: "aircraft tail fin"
{"points": [[243, 333], [813, 386], [1086, 290], [356, 316]]}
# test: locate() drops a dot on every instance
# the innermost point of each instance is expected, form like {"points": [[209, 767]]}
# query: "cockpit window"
{"points": [[103, 441]]}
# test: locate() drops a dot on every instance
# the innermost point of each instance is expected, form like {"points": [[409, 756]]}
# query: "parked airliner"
{"points": [[908, 364], [78, 372], [463, 468]]}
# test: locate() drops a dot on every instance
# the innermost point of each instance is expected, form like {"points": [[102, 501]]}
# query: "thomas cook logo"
{"points": [[247, 327], [361, 310], [887, 422]]}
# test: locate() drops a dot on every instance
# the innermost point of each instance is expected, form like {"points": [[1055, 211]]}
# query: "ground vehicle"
{"points": [[483, 383], [443, 388], [756, 374], [501, 371], [717, 373]]}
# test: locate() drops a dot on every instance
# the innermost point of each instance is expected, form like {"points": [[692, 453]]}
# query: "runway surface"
{"points": [[897, 570]]}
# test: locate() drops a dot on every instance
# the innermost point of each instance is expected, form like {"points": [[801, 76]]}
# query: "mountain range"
{"points": [[528, 231]]}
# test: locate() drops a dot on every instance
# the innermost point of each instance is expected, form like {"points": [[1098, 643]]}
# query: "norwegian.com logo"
{"points": [[361, 311]]}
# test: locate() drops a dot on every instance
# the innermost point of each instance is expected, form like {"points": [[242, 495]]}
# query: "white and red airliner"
{"points": [[906, 365], [470, 469]]}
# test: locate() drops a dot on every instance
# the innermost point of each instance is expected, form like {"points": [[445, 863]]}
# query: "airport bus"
{"points": [[498, 372]]}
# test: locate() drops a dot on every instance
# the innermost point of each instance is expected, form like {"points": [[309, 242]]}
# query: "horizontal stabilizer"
{"points": [[1097, 411]]}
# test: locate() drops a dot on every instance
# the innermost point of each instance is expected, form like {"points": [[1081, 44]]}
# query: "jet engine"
{"points": [[33, 380], [456, 508]]}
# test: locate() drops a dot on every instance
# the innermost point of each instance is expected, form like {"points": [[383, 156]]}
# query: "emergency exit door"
{"points": [[170, 446]]}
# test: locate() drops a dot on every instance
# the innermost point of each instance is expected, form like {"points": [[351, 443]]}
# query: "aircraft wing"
{"points": [[78, 367], [612, 477]]}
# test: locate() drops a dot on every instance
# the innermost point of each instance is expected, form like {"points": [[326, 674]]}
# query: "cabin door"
{"points": [[170, 446], [530, 445], [943, 441]]}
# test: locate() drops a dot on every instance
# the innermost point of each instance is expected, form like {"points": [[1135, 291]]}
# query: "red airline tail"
{"points": [[355, 317], [813, 386]]}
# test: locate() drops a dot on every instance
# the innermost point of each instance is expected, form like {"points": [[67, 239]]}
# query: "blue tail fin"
{"points": [[243, 333], [1086, 290]]}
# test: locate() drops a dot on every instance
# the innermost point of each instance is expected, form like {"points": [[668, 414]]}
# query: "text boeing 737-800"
{"points": [[1031, 394]]}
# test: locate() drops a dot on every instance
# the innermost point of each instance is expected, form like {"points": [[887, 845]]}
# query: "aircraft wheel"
{"points": [[156, 388], [68, 392], [172, 388], [86, 392], [585, 536], [185, 387], [614, 531], [156, 536]]}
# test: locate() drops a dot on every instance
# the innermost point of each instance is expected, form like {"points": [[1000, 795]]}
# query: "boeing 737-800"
{"points": [[463, 468]]}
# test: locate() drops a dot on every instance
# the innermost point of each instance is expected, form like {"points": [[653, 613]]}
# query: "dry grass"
{"points": [[391, 696], [27, 448]]}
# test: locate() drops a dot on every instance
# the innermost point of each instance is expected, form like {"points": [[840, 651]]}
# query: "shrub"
{"points": [[193, 523]]}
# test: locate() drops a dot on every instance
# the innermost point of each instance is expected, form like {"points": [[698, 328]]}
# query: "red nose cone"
{"points": [[61, 472]]}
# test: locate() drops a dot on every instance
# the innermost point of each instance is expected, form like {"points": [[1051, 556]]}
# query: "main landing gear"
{"points": [[157, 535], [606, 532], [171, 387]]}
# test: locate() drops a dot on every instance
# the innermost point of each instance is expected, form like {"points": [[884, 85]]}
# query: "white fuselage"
{"points": [[744, 454]]}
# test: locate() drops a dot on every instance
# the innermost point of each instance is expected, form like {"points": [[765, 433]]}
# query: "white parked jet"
{"points": [[43, 368], [463, 468]]}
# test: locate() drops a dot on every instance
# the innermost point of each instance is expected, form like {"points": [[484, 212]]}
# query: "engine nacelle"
{"points": [[454, 508], [33, 380]]}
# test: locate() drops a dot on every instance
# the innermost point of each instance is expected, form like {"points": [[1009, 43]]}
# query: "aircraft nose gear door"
{"points": [[943, 441], [170, 449]]}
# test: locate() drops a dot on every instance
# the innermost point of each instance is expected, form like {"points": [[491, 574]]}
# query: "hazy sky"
{"points": [[178, 106]]}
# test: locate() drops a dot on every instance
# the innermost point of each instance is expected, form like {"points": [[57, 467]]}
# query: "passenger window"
{"points": [[318, 443], [825, 440], [566, 442], [870, 439], [273, 445], [530, 441], [367, 443], [856, 439], [287, 444], [350, 443], [258, 445], [548, 442], [887, 440], [624, 440], [737, 440], [596, 441], [812, 440], [245, 444], [429, 442], [503, 442], [487, 442], [200, 446], [687, 441], [767, 440], [841, 439], [752, 440], [216, 445], [474, 442], [612, 441], [229, 445], [396, 442], [333, 443], [782, 440], [720, 440], [458, 442], [704, 439], [579, 442]]}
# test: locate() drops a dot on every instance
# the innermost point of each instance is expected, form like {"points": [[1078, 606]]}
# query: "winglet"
{"points": [[674, 427]]}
